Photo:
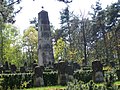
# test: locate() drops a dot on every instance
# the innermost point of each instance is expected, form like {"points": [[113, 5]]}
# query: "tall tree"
{"points": [[113, 27], [11, 44], [30, 40], [7, 15]]}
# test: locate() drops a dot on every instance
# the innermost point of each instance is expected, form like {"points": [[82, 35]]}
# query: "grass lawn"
{"points": [[117, 83], [63, 87], [48, 88]]}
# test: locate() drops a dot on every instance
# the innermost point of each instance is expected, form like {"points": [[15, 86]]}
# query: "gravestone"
{"points": [[62, 73], [1, 69], [22, 69], [97, 71], [69, 72], [26, 66], [13, 68], [38, 76]]}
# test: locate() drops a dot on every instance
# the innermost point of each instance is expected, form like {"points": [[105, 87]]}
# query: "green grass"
{"points": [[48, 88], [117, 83], [63, 87]]}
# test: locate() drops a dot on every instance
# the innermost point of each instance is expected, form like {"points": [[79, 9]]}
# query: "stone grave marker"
{"points": [[38, 76], [61, 73], [97, 71], [1, 69], [13, 68], [69, 72], [22, 69]]}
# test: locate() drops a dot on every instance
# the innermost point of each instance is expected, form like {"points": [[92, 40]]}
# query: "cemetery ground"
{"points": [[49, 88], [63, 76], [117, 83]]}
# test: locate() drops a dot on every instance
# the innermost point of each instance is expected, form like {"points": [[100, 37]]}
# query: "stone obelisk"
{"points": [[45, 47]]}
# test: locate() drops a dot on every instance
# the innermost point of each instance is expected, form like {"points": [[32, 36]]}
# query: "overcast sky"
{"points": [[32, 8]]}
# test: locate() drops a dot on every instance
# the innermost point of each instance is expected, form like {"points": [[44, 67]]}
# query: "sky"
{"points": [[53, 7]]}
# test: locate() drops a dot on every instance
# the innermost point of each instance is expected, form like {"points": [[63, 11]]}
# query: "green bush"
{"points": [[50, 78], [83, 75], [118, 74], [17, 80], [80, 85]]}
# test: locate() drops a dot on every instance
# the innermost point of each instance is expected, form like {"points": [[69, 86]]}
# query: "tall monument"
{"points": [[45, 50]]}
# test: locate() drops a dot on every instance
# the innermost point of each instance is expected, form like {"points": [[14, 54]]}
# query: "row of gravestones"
{"points": [[12, 68], [7, 67], [65, 72]]}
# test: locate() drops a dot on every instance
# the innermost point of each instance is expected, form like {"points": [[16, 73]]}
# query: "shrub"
{"points": [[50, 78], [83, 75], [13, 81], [80, 85]]}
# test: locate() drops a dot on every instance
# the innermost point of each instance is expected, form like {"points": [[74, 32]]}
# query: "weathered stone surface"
{"points": [[38, 76], [43, 15], [38, 71], [22, 69], [97, 71], [45, 50], [69, 70], [13, 68]]}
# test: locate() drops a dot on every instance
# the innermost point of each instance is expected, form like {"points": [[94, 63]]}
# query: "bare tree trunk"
{"points": [[84, 39]]}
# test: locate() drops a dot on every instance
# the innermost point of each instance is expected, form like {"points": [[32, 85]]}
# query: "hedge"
{"points": [[83, 75], [50, 78], [18, 80]]}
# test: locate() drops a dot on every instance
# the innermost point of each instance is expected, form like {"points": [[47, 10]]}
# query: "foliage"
{"points": [[94, 38], [16, 81], [30, 40], [83, 75], [11, 45], [59, 49], [50, 78], [79, 85], [8, 34], [7, 10]]}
